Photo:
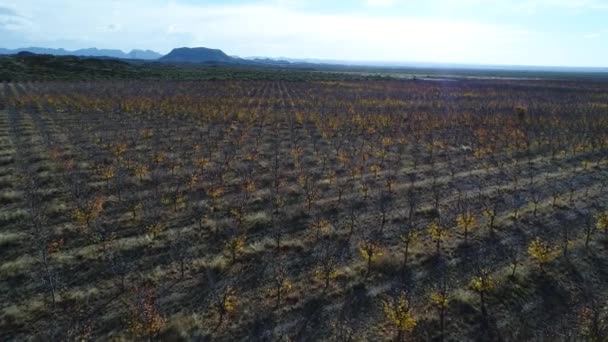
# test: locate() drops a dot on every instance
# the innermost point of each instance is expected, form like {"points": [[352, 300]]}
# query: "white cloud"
{"points": [[591, 35], [380, 3], [528, 7]]}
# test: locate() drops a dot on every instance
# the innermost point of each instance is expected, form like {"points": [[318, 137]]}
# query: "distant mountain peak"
{"points": [[198, 55]]}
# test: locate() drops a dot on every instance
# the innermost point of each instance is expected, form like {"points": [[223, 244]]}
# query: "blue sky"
{"points": [[515, 32]]}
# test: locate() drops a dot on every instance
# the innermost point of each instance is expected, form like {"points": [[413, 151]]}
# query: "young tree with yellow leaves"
{"points": [[154, 229], [438, 235], [225, 303], [145, 319], [439, 298], [370, 249], [235, 245], [141, 171], [326, 267], [542, 252], [87, 213], [466, 222], [482, 283], [320, 226], [107, 174], [398, 313], [601, 222]]}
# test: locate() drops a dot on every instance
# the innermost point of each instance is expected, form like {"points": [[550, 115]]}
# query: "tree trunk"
{"points": [[405, 255], [441, 324], [278, 296], [483, 303]]}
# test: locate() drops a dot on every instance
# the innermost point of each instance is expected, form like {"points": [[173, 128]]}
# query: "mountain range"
{"points": [[216, 56], [91, 52], [178, 55]]}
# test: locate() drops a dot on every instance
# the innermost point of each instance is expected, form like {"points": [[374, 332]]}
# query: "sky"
{"points": [[495, 32]]}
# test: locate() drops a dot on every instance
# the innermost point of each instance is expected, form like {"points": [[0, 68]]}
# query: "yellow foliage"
{"points": [[90, 212], [286, 285], [488, 213], [541, 251], [381, 154], [158, 157], [409, 237], [482, 151], [387, 141], [437, 232], [466, 221], [482, 283], [155, 229], [194, 178], [321, 226], [602, 220], [326, 270], [120, 149], [342, 158], [249, 186], [81, 216], [236, 212], [236, 244], [165, 200], [399, 314], [147, 133], [216, 192], [107, 173], [201, 163], [141, 171], [375, 168], [439, 300], [229, 301], [370, 249], [296, 153], [145, 318]]}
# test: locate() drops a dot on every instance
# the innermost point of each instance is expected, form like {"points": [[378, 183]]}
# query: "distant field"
{"points": [[49, 68], [337, 210]]}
